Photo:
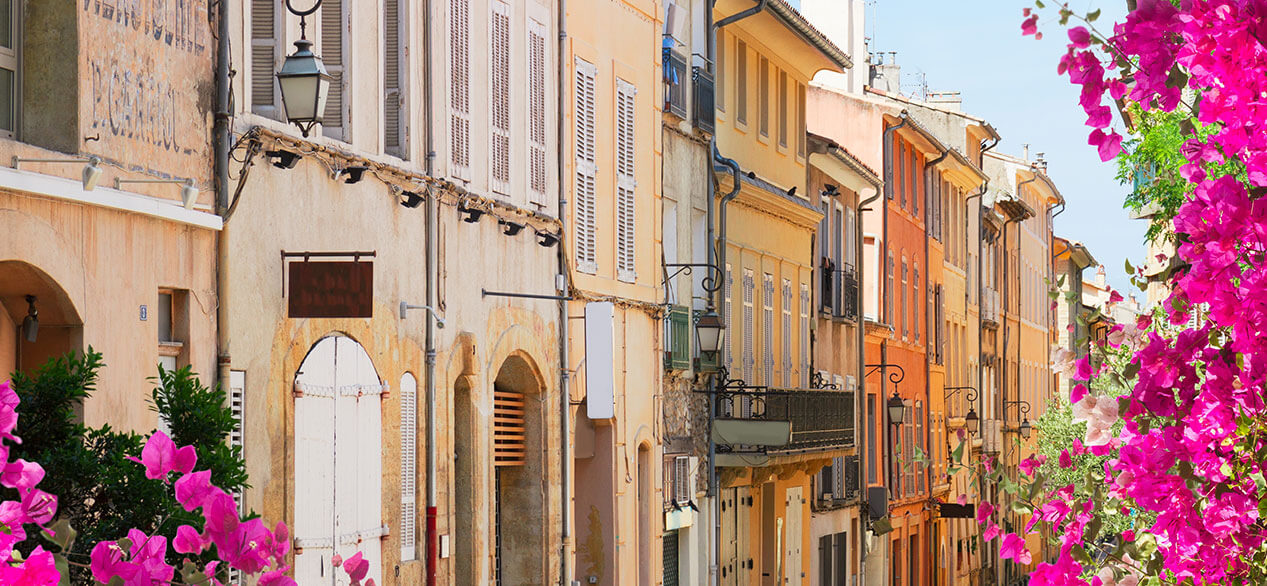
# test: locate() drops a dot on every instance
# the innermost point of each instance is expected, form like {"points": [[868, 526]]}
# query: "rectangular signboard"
{"points": [[331, 289]]}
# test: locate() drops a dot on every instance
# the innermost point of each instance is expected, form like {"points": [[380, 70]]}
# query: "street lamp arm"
{"points": [[894, 377], [971, 396], [712, 281]]}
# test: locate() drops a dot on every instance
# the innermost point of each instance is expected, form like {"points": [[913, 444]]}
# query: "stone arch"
{"points": [[56, 328], [521, 512]]}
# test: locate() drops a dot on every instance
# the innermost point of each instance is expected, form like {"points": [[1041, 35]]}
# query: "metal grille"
{"points": [[705, 92], [670, 540], [674, 82], [497, 527]]}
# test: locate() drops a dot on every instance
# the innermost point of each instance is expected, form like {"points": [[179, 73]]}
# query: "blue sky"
{"points": [[976, 48]]}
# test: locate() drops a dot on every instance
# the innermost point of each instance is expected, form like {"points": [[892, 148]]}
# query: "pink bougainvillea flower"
{"points": [[1029, 26], [194, 490], [1066, 461], [962, 500], [1013, 548], [158, 455], [1079, 37], [1031, 464], [984, 510], [990, 532], [356, 567], [188, 540]]}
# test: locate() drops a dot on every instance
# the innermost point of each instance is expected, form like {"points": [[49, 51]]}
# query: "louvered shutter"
{"points": [[499, 96], [730, 322], [681, 479], [586, 168], [264, 57], [748, 358], [509, 428], [538, 169], [801, 128], [332, 49], [393, 86], [804, 334], [783, 108], [763, 96], [767, 328], [237, 406], [787, 332], [459, 88], [626, 182], [408, 466]]}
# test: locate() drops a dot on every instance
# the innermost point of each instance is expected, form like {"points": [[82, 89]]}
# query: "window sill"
{"points": [[170, 348]]}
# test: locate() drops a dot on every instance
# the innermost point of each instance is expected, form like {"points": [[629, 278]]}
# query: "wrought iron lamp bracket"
{"points": [[712, 281], [894, 377]]}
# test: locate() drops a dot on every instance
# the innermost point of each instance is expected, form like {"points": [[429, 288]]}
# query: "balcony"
{"points": [[768, 422], [990, 307], [702, 82], [674, 83], [840, 292]]}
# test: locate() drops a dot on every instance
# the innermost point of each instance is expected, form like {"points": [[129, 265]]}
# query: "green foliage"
{"points": [[101, 492]]}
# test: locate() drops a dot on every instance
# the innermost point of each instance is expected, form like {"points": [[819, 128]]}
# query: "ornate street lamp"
{"points": [[303, 79], [897, 409], [1026, 428], [971, 421], [709, 333]]}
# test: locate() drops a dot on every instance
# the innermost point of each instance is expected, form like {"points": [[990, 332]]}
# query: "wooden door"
{"points": [[792, 536]]}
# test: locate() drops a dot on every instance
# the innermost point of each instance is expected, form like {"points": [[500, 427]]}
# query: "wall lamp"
{"points": [[188, 191], [546, 239], [405, 307], [283, 159], [971, 420], [354, 173], [1023, 408], [511, 228], [472, 214], [410, 199], [92, 172], [31, 323]]}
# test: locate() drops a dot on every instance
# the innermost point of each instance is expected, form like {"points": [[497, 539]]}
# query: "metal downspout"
{"points": [[565, 395], [981, 276], [223, 139], [859, 401], [966, 296], [432, 266], [929, 328], [738, 16]]}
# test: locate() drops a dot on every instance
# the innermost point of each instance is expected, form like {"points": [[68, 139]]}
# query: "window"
{"points": [[460, 90], [804, 337], [263, 57], [908, 451], [901, 150], [173, 328], [783, 109], [851, 239], [767, 328], [915, 306], [626, 180], [730, 322], [763, 96], [332, 54], [787, 333], [720, 67], [871, 449], [538, 169], [677, 480], [394, 68], [748, 359], [918, 469], [902, 306], [888, 292], [408, 467], [800, 120], [586, 167], [499, 96], [741, 82], [912, 186]]}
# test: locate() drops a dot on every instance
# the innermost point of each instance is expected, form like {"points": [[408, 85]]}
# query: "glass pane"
{"points": [[7, 98], [165, 317], [6, 24]]}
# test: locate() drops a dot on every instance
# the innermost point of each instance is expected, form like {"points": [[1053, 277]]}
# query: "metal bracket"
{"points": [[712, 281]]}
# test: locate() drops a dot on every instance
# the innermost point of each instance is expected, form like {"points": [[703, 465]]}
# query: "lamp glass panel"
{"points": [[299, 94]]}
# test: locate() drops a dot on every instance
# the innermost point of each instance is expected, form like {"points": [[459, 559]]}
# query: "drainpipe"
{"points": [[859, 401], [738, 16], [966, 298], [223, 141], [929, 329], [565, 396], [432, 266], [981, 276]]}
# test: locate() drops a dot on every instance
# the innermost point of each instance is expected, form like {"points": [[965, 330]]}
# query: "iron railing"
{"points": [[840, 292], [702, 80], [990, 306], [675, 83], [820, 419]]}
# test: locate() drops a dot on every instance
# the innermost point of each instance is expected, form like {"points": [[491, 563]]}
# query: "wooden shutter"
{"points": [[792, 542], [804, 334], [626, 180], [538, 169], [332, 49], [824, 560], [509, 428], [499, 96], [783, 108], [741, 82], [393, 86], [748, 358], [801, 128], [730, 321], [719, 95], [586, 168], [460, 88], [264, 57], [767, 328], [763, 96], [408, 467], [787, 332]]}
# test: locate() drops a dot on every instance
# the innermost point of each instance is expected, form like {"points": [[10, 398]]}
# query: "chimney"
{"points": [[1041, 163], [1025, 152], [886, 74], [952, 101], [1099, 277]]}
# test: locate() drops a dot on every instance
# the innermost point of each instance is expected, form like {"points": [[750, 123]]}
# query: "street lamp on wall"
{"points": [[897, 409], [971, 420], [303, 79], [31, 324], [709, 333], [1026, 428]]}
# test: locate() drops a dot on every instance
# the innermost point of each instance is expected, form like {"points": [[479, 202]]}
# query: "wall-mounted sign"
{"points": [[331, 289], [955, 511]]}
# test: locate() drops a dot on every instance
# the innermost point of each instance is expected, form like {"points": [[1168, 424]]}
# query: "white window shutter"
{"points": [[499, 96], [681, 479], [586, 168], [460, 88], [538, 169], [767, 328], [393, 86], [408, 467], [332, 54], [730, 321], [787, 333], [264, 57], [626, 180], [804, 334], [748, 358]]}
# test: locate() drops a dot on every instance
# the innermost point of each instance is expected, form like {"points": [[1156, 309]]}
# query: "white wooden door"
{"points": [[729, 521], [792, 539], [747, 569], [338, 461]]}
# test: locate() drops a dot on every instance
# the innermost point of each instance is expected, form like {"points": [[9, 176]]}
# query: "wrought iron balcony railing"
{"points": [[820, 419], [990, 306], [675, 83], [840, 292]]}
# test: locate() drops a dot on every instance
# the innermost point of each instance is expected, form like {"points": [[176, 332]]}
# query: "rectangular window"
{"points": [[538, 166], [763, 96], [626, 180], [586, 167], [263, 57], [908, 451], [767, 328], [915, 306], [499, 96], [394, 68], [720, 72], [787, 333], [333, 48], [901, 150], [919, 469], [906, 332], [173, 327], [800, 120], [749, 283], [888, 292], [912, 168], [783, 109], [460, 88], [871, 448], [741, 82]]}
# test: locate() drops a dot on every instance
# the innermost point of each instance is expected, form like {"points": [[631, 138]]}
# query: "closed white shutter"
{"points": [[332, 54], [804, 334], [787, 333], [538, 169], [730, 322], [767, 328], [393, 86], [626, 180], [792, 540], [586, 168], [408, 467], [460, 88], [264, 57], [681, 479], [748, 359], [499, 96]]}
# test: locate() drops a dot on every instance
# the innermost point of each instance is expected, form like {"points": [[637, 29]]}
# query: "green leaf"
{"points": [[956, 455], [1093, 15], [1039, 3], [1129, 269]]}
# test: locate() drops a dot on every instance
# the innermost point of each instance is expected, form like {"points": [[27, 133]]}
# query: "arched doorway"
{"points": [[54, 327], [338, 466], [467, 534], [519, 485]]}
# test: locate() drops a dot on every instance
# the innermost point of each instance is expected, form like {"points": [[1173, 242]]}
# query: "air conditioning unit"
{"points": [[851, 382]]}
